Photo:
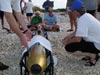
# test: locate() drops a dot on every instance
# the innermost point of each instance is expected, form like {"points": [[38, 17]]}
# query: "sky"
{"points": [[57, 3]]}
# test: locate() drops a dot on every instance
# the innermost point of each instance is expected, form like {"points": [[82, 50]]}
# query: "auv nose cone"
{"points": [[36, 69]]}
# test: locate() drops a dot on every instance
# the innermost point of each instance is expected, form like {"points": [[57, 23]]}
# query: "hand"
{"points": [[28, 34], [24, 41], [64, 41]]}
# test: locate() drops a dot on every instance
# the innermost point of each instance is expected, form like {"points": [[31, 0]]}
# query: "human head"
{"points": [[50, 11], [77, 7], [37, 13]]}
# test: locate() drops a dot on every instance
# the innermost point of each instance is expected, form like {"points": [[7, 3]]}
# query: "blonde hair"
{"points": [[37, 12]]}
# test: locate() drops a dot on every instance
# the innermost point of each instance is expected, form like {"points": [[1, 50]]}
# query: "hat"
{"points": [[50, 9], [37, 12], [76, 5]]}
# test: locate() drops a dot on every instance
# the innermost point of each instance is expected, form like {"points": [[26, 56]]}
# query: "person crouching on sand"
{"points": [[85, 40]]}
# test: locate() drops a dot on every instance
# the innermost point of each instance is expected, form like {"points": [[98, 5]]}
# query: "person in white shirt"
{"points": [[29, 10], [86, 39], [7, 6]]}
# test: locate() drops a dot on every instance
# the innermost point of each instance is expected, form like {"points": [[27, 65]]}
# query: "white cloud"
{"points": [[57, 3], [60, 3]]}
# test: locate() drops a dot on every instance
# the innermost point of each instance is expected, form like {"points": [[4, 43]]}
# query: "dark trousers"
{"points": [[83, 46]]}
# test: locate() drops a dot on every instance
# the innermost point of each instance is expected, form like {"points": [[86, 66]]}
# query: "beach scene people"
{"points": [[76, 47]]}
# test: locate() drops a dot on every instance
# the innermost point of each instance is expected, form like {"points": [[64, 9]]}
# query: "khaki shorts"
{"points": [[8, 5]]}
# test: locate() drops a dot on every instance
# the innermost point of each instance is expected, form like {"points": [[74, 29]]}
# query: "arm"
{"points": [[21, 20], [74, 39], [43, 22], [22, 23], [14, 26], [70, 39], [43, 5], [25, 7]]}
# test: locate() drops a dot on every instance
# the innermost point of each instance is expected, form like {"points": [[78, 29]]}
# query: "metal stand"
{"points": [[49, 70]]}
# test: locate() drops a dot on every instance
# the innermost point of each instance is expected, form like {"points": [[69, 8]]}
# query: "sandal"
{"points": [[86, 58], [8, 30], [90, 63]]}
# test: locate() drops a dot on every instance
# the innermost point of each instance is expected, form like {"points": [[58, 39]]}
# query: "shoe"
{"points": [[3, 66], [6, 29], [86, 58], [90, 63]]}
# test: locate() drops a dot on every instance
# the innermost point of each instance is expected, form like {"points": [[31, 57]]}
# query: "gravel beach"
{"points": [[11, 50]]}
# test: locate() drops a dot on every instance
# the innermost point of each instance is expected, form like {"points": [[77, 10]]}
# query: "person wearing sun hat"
{"points": [[85, 40], [37, 19]]}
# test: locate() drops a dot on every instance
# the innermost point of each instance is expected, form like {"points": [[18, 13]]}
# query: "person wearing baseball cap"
{"points": [[85, 40], [76, 5]]}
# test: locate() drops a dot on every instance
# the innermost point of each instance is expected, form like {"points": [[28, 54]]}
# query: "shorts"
{"points": [[83, 46], [29, 14], [9, 5], [1, 15]]}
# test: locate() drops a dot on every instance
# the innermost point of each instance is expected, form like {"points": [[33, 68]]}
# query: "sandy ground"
{"points": [[11, 50]]}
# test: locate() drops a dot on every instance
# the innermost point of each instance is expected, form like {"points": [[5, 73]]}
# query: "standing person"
{"points": [[91, 6], [21, 5], [6, 6], [48, 5], [2, 21], [72, 19], [29, 10], [86, 40]]}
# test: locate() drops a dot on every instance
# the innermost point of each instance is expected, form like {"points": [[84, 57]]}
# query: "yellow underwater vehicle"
{"points": [[38, 59]]}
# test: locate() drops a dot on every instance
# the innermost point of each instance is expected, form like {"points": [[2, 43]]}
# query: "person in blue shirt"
{"points": [[47, 4], [50, 22]]}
